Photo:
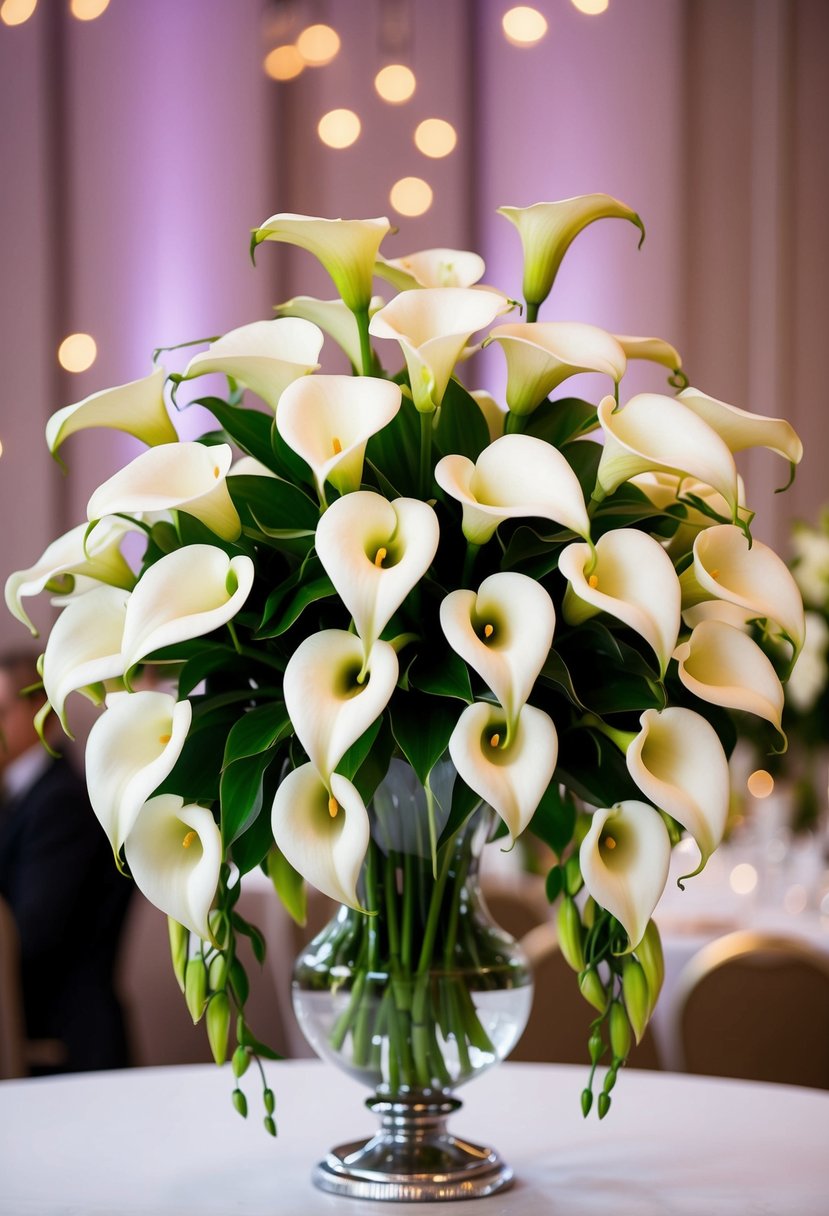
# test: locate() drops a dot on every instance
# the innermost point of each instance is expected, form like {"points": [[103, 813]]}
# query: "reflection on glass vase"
{"points": [[415, 999]]}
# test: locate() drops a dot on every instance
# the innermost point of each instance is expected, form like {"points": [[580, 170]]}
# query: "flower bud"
{"points": [[636, 996], [592, 989], [240, 1103], [195, 987], [568, 926], [595, 1046], [649, 953], [573, 880], [240, 1062], [586, 1101], [179, 945], [619, 1031], [269, 1100], [603, 1104], [270, 1126], [218, 973], [218, 1026]]}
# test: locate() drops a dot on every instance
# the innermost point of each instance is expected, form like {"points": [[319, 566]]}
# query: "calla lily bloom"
{"points": [[432, 268], [516, 476], [632, 578], [656, 433], [504, 632], [327, 703], [186, 594], [249, 466], [493, 413], [131, 748], [433, 325], [375, 551], [174, 853], [513, 776], [624, 860], [754, 578], [719, 610], [723, 665], [548, 229], [323, 831], [542, 354], [328, 420], [741, 429], [265, 356], [346, 248], [678, 762], [333, 317], [137, 408], [84, 647], [654, 350], [187, 477], [67, 559]]}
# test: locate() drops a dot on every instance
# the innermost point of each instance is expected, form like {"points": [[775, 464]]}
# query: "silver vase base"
{"points": [[413, 1158]]}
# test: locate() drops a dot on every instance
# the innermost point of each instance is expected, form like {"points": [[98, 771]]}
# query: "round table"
{"points": [[166, 1142]]}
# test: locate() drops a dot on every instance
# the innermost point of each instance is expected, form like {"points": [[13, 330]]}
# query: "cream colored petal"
{"points": [[511, 779], [654, 350], [723, 665], [624, 860], [84, 646], [741, 429], [137, 408], [432, 268], [541, 355], [265, 356], [494, 413], [248, 466], [174, 853], [326, 850], [328, 707], [334, 318], [719, 610]]}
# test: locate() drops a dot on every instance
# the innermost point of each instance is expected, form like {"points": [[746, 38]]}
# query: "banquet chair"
{"points": [[756, 1006]]}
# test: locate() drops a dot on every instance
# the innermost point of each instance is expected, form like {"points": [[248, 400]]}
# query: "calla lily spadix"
{"points": [[543, 354], [84, 647], [753, 578], [174, 853], [723, 665], [741, 429], [433, 325], [185, 594], [329, 706], [323, 831], [678, 763], [504, 632], [346, 248], [632, 578], [511, 777], [432, 268], [625, 858], [653, 350], [656, 433], [187, 477], [516, 476], [131, 748], [328, 420], [548, 229], [68, 560], [334, 318], [375, 551], [265, 356], [137, 408]]}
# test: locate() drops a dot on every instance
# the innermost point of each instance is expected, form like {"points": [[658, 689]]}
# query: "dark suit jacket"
{"points": [[69, 901]]}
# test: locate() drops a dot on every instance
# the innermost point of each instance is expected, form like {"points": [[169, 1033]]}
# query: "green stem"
{"points": [[408, 911], [622, 738], [425, 456], [532, 312], [514, 424], [468, 563], [366, 355]]}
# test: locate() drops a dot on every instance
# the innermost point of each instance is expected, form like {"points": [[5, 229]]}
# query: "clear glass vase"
{"points": [[414, 1000]]}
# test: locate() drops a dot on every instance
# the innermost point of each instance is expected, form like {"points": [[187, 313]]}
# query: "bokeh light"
{"points": [[339, 128], [284, 62], [411, 196], [743, 879], [435, 137], [318, 45], [77, 352], [88, 10], [591, 7], [760, 784], [524, 26], [15, 12], [395, 83]]}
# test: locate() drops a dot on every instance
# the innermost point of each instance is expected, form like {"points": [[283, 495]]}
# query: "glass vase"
{"points": [[415, 998]]}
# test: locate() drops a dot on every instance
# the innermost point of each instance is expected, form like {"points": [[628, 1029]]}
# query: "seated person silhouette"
{"points": [[58, 877]]}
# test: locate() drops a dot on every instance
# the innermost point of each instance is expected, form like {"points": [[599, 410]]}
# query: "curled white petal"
{"points": [[334, 318], [541, 355], [654, 350], [432, 268], [624, 860], [265, 356], [137, 408], [725, 666], [84, 647], [741, 429]]}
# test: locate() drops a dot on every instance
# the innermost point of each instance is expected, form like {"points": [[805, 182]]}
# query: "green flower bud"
{"points": [[179, 947], [240, 1102], [603, 1104], [269, 1100], [218, 1026], [595, 1046], [568, 926], [610, 1078], [592, 989], [218, 973], [588, 913], [217, 922], [573, 880], [586, 1101], [635, 993], [649, 954], [240, 1062], [270, 1126], [195, 987], [619, 1031]]}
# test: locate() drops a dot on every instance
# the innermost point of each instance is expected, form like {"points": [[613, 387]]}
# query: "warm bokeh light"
{"points": [[338, 128], [395, 83], [591, 7], [15, 12], [77, 352], [411, 196], [318, 45], [88, 10], [435, 137], [284, 63], [795, 900], [1, 447], [743, 879], [760, 784], [523, 25]]}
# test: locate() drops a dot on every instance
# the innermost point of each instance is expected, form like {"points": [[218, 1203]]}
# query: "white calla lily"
{"points": [[624, 860], [548, 229], [249, 466], [174, 853], [84, 647], [678, 762], [328, 702], [432, 268], [513, 776], [504, 632], [334, 318], [187, 477], [375, 551], [631, 577], [741, 429], [328, 420], [494, 414], [186, 594], [543, 354], [719, 610], [137, 408], [323, 831], [347, 248], [653, 350], [265, 356], [516, 476], [656, 433], [723, 665], [69, 559], [433, 325]]}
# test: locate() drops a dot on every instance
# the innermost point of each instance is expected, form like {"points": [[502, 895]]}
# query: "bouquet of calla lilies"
{"points": [[562, 596]]}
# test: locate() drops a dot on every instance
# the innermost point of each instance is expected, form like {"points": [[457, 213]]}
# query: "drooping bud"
{"points": [[636, 996], [195, 988], [218, 1025], [568, 926]]}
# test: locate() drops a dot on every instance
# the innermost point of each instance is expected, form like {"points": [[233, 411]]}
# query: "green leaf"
{"points": [[422, 726], [256, 731], [201, 665], [247, 1039], [275, 504], [306, 594], [353, 759], [195, 775], [251, 848], [594, 769], [554, 883], [461, 427], [394, 450], [583, 458], [556, 673], [289, 885], [248, 429], [560, 421], [240, 790], [554, 820], [376, 764], [442, 674], [464, 802], [257, 941]]}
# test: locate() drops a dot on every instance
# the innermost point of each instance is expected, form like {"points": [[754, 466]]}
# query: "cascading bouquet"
{"points": [[563, 598]]}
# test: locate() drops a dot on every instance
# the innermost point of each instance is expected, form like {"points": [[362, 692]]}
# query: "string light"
{"points": [[435, 137], [318, 45], [524, 26], [88, 10], [395, 83], [339, 128], [284, 62], [15, 12], [591, 7], [411, 196], [77, 352]]}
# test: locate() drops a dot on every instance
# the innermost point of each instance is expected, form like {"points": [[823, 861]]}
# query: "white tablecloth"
{"points": [[165, 1142]]}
